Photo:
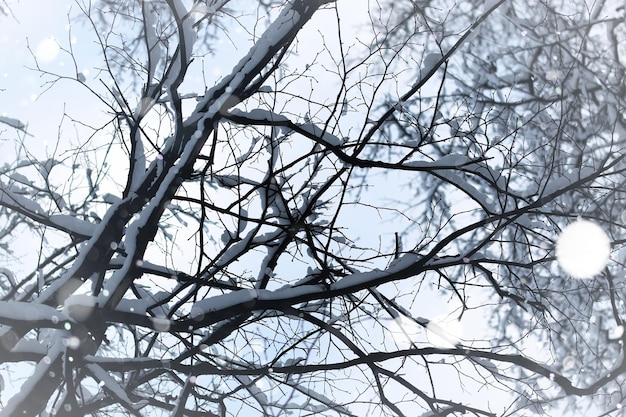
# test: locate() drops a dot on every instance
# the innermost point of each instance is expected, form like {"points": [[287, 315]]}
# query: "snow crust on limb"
{"points": [[71, 224], [152, 40], [113, 386], [10, 277], [447, 161], [11, 198], [223, 301], [187, 35], [266, 116], [15, 123], [17, 177], [231, 299], [14, 199], [139, 162], [24, 311], [140, 306], [480, 197], [359, 280]]}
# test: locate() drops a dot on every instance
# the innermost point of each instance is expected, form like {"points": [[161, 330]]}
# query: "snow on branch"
{"points": [[114, 387], [266, 117], [333, 143], [217, 307], [31, 209], [15, 123], [35, 315]]}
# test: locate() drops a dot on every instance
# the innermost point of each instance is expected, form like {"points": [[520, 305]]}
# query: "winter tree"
{"points": [[313, 207]]}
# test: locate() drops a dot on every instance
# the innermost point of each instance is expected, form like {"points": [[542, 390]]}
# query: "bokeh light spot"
{"points": [[569, 362], [404, 331], [583, 249], [47, 50], [73, 342], [444, 332], [161, 324]]}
